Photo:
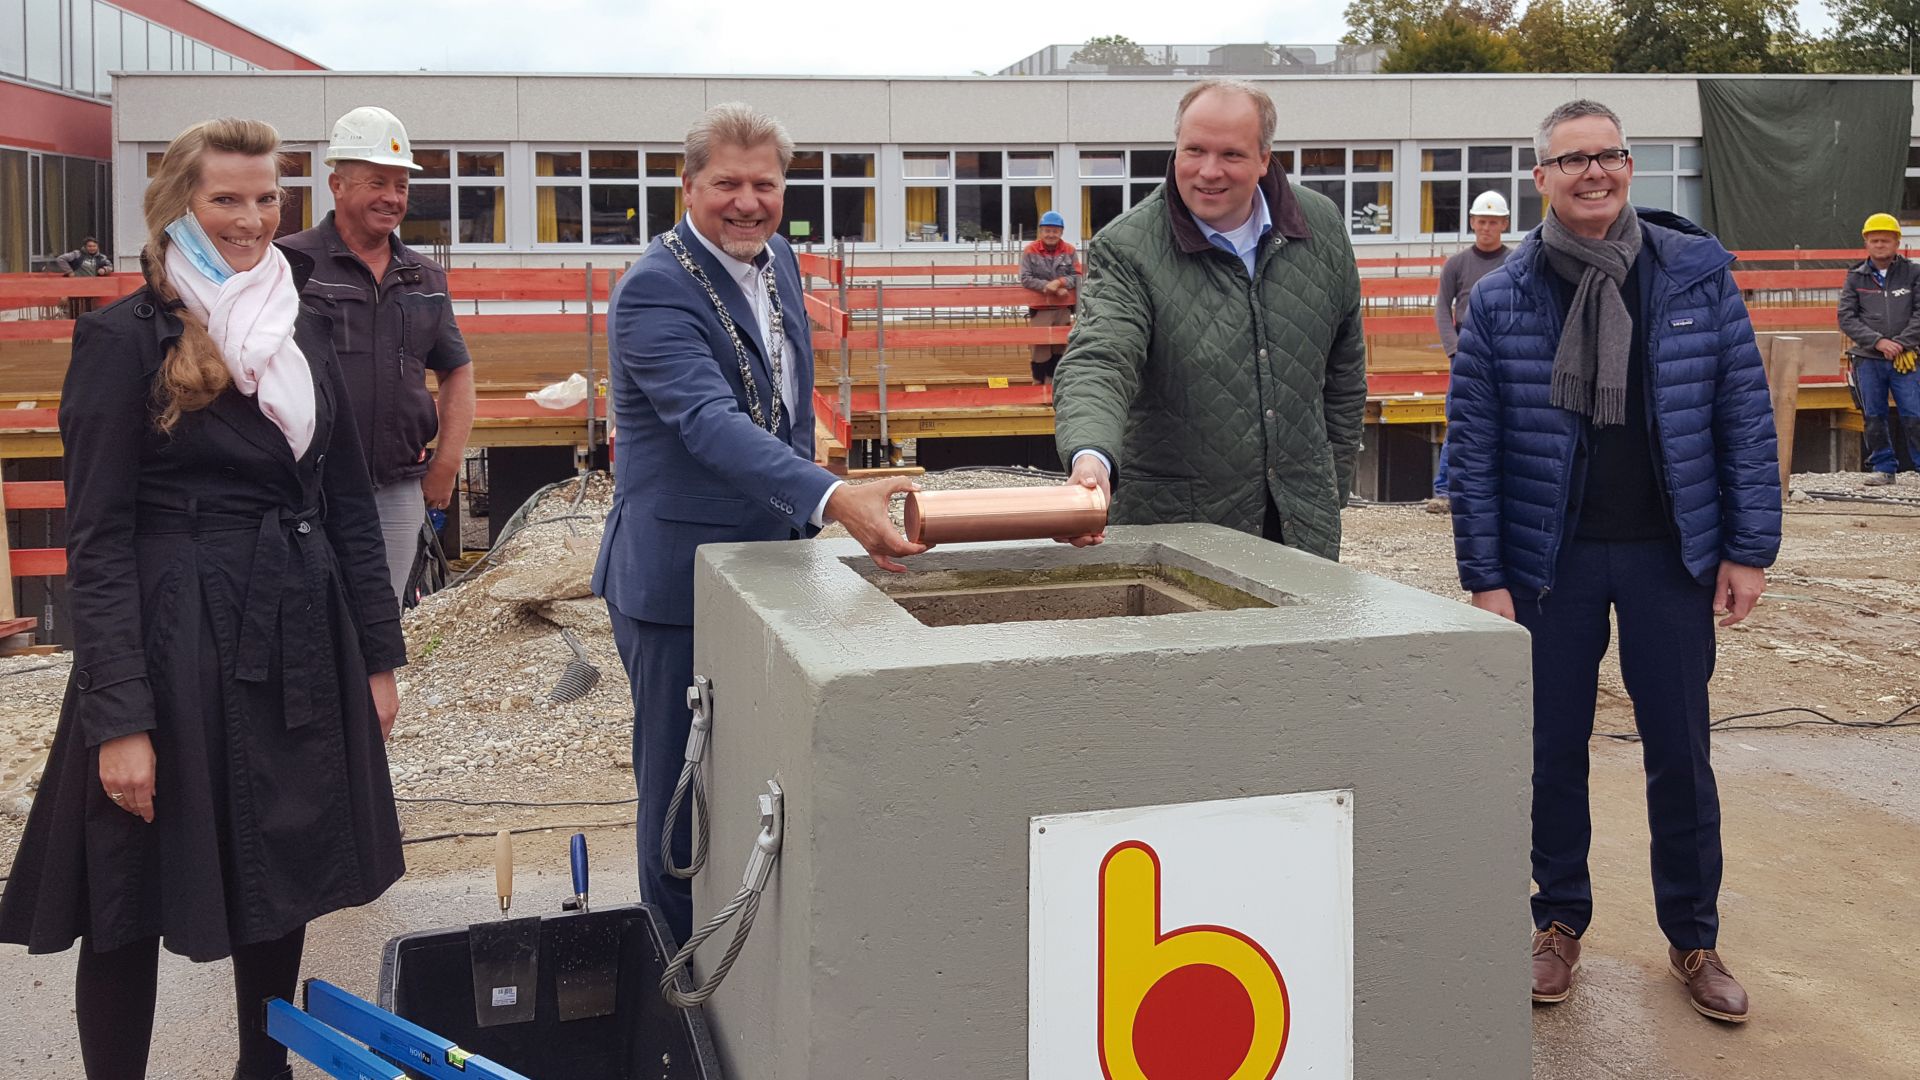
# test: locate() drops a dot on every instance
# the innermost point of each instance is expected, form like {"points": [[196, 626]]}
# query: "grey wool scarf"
{"points": [[1590, 365]]}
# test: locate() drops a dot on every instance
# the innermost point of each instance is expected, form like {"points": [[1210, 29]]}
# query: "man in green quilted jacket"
{"points": [[1217, 372]]}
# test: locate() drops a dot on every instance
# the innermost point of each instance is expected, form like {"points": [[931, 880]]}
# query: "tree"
{"points": [[1567, 35], [1382, 22], [1706, 36], [1875, 35], [1113, 50], [1448, 44]]}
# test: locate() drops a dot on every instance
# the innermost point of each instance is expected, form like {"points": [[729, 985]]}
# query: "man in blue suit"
{"points": [[712, 379]]}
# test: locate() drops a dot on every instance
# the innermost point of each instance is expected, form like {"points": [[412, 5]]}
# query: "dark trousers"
{"points": [[659, 663], [114, 995], [1666, 658]]}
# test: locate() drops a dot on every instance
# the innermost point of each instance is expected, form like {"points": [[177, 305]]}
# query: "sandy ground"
{"points": [[1820, 821]]}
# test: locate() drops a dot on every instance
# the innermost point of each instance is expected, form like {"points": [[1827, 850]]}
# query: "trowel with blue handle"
{"points": [[586, 948]]}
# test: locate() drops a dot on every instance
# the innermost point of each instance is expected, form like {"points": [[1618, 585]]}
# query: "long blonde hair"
{"points": [[193, 374]]}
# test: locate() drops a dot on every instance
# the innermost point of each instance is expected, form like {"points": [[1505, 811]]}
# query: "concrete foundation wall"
{"points": [[893, 940]]}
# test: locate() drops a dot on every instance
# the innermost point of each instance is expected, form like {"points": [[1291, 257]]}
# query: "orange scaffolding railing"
{"points": [[877, 312]]}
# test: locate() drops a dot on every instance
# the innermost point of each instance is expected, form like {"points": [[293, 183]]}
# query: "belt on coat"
{"points": [[275, 600]]}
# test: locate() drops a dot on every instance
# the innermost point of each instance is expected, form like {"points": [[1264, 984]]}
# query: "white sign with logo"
{"points": [[1202, 941]]}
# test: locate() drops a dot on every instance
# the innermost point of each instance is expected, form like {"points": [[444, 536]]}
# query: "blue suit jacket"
{"points": [[690, 465]]}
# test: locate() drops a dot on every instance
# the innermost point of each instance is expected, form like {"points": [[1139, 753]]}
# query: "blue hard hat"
{"points": [[1052, 217]]}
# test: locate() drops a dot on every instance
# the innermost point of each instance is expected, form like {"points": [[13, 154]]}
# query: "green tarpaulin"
{"points": [[1801, 162]]}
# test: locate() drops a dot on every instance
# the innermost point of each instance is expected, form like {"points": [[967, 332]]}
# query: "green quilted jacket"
{"points": [[1211, 392]]}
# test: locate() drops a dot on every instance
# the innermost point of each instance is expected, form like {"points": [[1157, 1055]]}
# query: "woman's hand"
{"points": [[126, 773], [386, 701]]}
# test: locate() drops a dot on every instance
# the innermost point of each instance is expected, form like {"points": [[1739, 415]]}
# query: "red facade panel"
{"points": [[195, 21], [56, 123]]}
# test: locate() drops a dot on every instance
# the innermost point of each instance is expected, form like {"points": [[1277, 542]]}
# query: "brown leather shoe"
{"points": [[1556, 956], [1710, 986]]}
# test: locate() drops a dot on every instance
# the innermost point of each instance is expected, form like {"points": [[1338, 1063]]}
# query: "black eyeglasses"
{"points": [[1574, 164]]}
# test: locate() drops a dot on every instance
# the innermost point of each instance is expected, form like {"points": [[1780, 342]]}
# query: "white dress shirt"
{"points": [[746, 275]]}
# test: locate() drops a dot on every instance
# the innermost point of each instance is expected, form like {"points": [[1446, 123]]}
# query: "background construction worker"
{"points": [[1488, 218], [1047, 268], [1878, 314], [392, 322]]}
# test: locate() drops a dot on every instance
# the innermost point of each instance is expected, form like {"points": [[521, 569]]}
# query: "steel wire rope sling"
{"points": [[700, 701], [745, 904]]}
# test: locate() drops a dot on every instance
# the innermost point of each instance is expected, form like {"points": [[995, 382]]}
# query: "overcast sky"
{"points": [[807, 37]]}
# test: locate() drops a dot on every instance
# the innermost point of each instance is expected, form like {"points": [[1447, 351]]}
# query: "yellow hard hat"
{"points": [[1880, 223]]}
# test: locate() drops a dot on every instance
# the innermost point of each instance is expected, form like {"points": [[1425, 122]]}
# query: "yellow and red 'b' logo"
{"points": [[1199, 1003]]}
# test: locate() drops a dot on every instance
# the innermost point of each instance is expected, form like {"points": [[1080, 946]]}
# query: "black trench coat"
{"points": [[229, 601]]}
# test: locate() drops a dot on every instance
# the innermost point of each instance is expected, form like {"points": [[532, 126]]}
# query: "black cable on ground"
{"points": [[1727, 723], [1852, 496], [528, 829], [511, 802]]}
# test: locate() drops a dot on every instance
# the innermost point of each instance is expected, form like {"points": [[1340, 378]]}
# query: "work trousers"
{"points": [[1877, 381], [659, 662], [402, 509], [1047, 357], [1666, 658]]}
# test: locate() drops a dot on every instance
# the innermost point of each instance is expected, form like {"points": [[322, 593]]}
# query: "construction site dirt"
{"points": [[1820, 819]]}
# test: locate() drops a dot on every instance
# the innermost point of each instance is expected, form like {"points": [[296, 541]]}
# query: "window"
{"points": [[296, 187], [975, 195], [43, 42], [1113, 180], [1451, 177], [830, 196], [1910, 192], [13, 211], [1359, 180], [13, 46], [107, 39], [1667, 176], [605, 195], [457, 197], [80, 41]]}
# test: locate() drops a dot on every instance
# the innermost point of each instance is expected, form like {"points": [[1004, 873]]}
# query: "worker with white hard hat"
{"points": [[1489, 219], [392, 322], [1879, 317]]}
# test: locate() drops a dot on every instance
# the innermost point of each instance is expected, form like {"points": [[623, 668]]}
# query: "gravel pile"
{"points": [[485, 653]]}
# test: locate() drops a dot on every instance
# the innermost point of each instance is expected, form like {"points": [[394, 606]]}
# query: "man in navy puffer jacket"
{"points": [[1613, 450]]}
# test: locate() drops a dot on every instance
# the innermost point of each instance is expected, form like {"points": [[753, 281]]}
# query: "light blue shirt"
{"points": [[1245, 240]]}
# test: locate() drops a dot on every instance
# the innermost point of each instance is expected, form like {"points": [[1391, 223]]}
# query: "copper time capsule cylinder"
{"points": [[1023, 513]]}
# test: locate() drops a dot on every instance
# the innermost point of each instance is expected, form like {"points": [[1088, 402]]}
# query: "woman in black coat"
{"points": [[219, 776]]}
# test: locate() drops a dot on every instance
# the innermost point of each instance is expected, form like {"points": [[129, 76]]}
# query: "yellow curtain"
{"points": [[1426, 206], [1043, 199], [499, 234], [867, 226], [546, 215], [923, 208]]}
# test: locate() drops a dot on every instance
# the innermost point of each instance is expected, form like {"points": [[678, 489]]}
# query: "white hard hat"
{"points": [[371, 134], [1489, 204]]}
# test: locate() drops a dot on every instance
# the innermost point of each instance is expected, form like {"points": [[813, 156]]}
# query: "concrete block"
{"points": [[955, 112], [892, 940], [156, 107], [836, 111], [1503, 109], [435, 108], [608, 109]]}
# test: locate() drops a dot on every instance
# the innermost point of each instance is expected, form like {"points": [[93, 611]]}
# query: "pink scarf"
{"points": [[250, 319]]}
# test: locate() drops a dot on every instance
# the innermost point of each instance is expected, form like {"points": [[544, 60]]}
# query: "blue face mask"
{"points": [[197, 246]]}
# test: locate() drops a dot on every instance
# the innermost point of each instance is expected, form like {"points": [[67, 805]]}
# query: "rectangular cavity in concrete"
{"points": [[1100, 591]]}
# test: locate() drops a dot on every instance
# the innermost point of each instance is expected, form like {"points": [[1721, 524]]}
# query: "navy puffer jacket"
{"points": [[1511, 454]]}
